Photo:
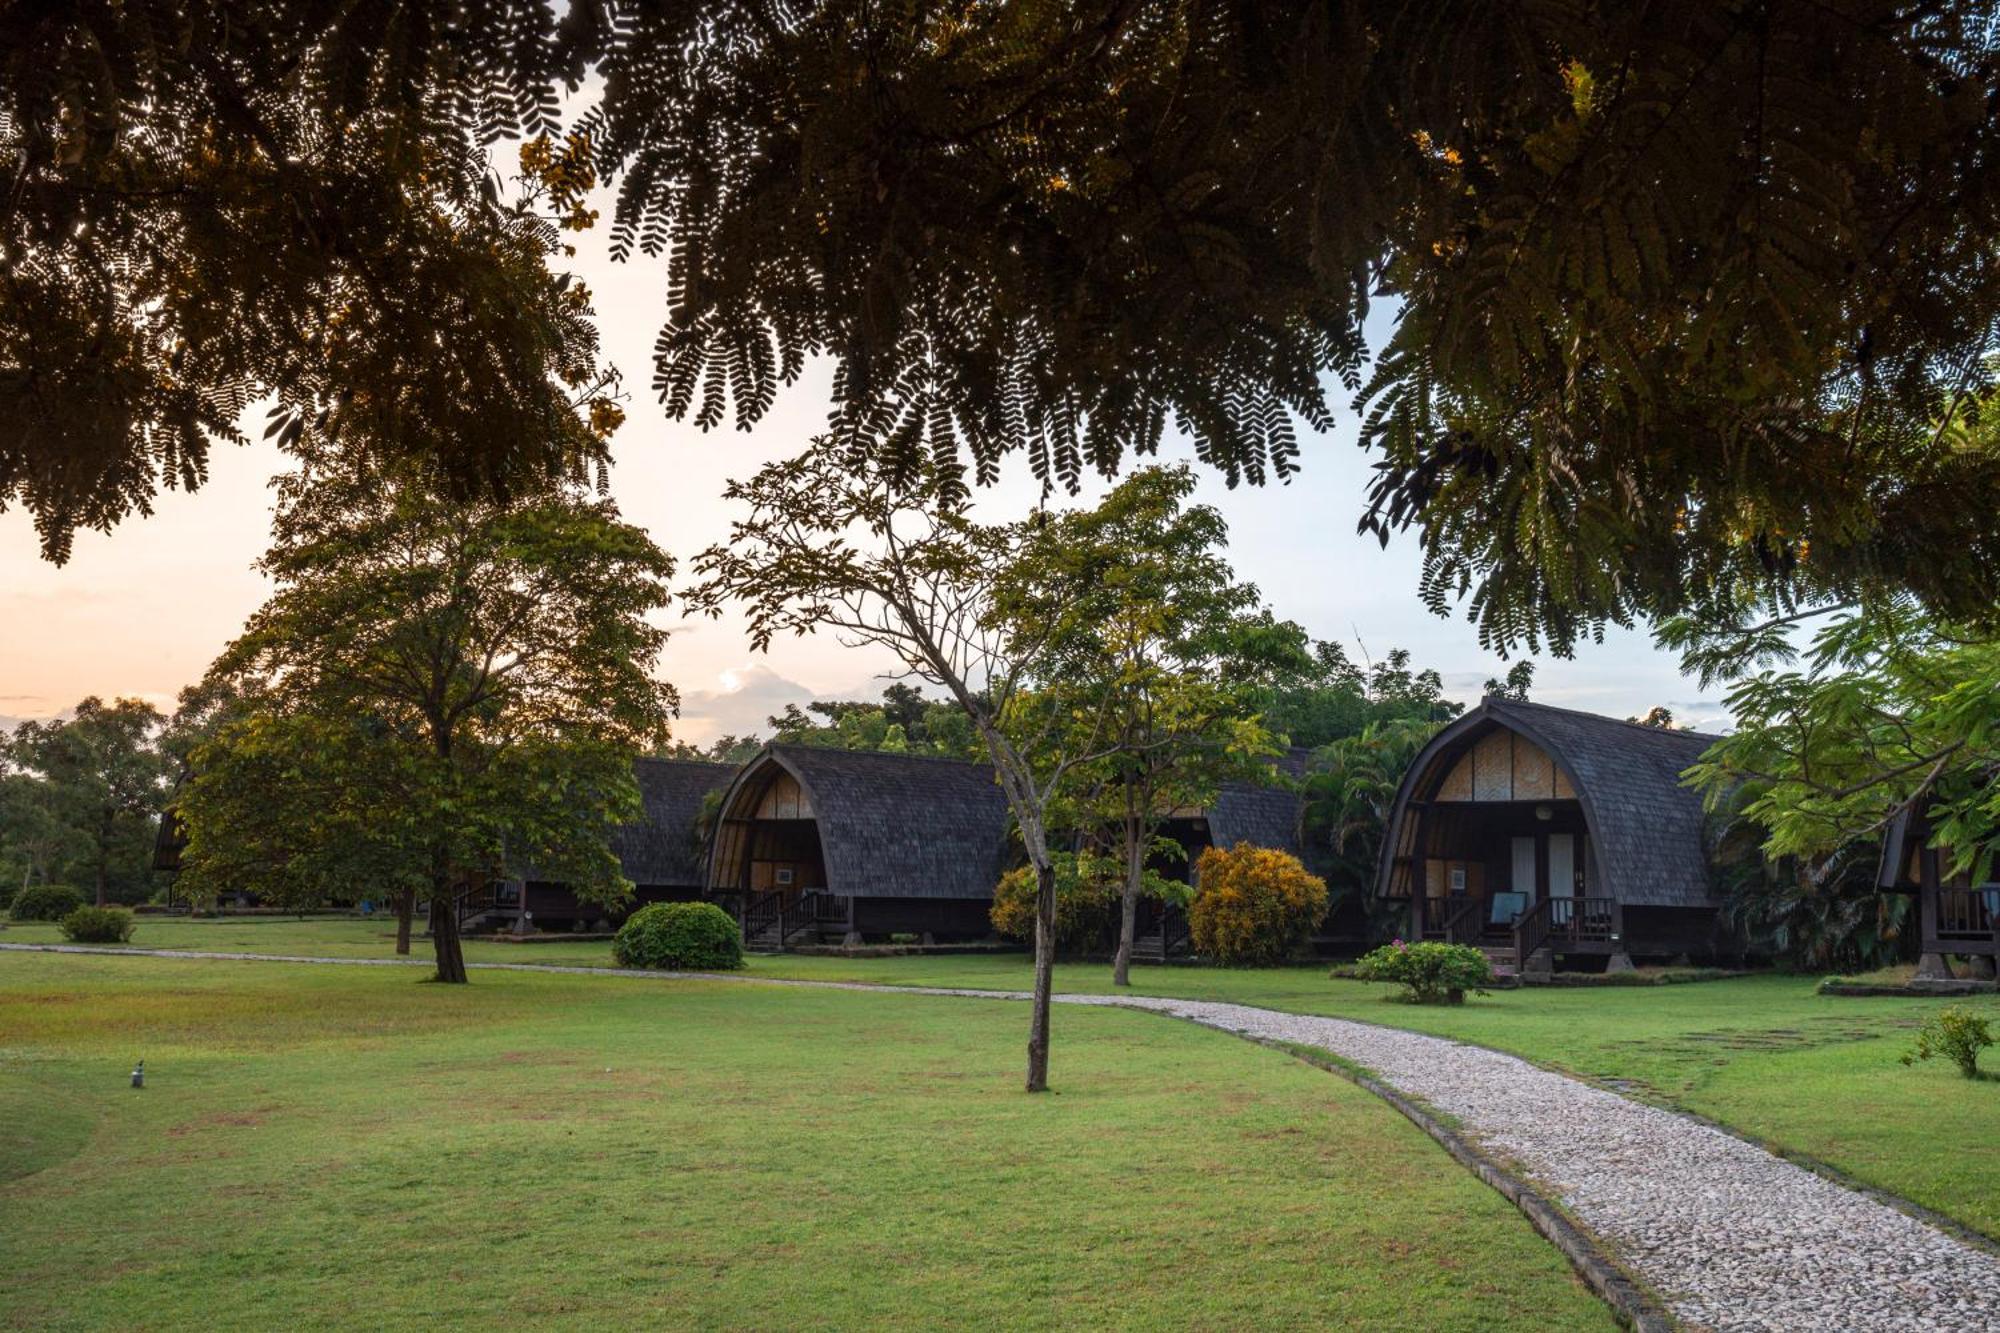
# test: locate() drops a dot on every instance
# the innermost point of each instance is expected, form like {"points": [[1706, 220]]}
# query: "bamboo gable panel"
{"points": [[1504, 766], [1493, 774], [1534, 771]]}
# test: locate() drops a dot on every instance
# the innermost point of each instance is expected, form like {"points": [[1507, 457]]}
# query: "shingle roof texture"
{"points": [[663, 849], [903, 826], [1647, 829]]}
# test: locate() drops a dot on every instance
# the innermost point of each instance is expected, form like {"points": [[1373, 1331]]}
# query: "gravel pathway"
{"points": [[1728, 1235]]}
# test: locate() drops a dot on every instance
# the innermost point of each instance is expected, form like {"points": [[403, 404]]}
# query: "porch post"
{"points": [[1931, 966], [522, 917], [1621, 958]]}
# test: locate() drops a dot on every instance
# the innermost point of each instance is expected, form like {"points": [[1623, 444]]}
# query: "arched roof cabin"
{"points": [[1541, 832], [814, 841]]}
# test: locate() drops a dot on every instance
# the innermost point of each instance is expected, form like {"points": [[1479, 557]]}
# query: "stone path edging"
{"points": [[1635, 1307], [1727, 1234]]}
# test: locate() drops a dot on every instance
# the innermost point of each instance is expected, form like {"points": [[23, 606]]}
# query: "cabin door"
{"points": [[1524, 868], [1562, 865]]}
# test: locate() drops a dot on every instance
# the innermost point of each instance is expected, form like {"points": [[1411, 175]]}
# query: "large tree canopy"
{"points": [[437, 695], [1693, 298], [212, 200]]}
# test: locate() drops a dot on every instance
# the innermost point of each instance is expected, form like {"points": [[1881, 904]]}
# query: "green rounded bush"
{"points": [[45, 902], [97, 925], [680, 937], [1432, 972]]}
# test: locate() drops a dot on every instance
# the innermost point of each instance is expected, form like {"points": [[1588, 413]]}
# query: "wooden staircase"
{"points": [[773, 921], [1159, 936]]}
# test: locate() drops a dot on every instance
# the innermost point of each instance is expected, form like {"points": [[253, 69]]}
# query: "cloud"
{"points": [[745, 696]]}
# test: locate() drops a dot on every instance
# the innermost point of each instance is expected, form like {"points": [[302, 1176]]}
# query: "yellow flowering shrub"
{"points": [[1253, 905]]}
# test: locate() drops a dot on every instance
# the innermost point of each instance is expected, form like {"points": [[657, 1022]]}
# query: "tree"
{"points": [[836, 541], [210, 202], [1348, 794], [1520, 678], [34, 843], [104, 782], [725, 749], [1893, 706], [438, 693], [1682, 294], [906, 721], [1154, 629]]}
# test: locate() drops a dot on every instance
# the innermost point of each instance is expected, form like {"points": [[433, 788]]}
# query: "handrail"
{"points": [[477, 900], [1456, 921], [761, 910], [1531, 931], [1567, 920], [804, 913]]}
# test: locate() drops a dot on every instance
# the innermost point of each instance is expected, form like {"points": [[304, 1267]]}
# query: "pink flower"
{"points": [[1398, 942]]}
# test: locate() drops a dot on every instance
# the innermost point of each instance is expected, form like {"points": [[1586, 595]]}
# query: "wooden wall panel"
{"points": [[1458, 783], [1534, 772], [1493, 779]]}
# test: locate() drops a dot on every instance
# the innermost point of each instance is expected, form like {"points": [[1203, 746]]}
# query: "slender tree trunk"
{"points": [[444, 934], [1135, 867], [406, 907], [1128, 901], [1045, 972], [100, 884]]}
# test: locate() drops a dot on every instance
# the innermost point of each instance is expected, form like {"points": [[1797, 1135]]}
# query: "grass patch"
{"points": [[1812, 1075], [322, 1147]]}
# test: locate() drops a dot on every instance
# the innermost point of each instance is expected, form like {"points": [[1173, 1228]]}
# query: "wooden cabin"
{"points": [[1259, 814], [821, 845], [1551, 837], [662, 854], [1956, 916], [817, 844]]}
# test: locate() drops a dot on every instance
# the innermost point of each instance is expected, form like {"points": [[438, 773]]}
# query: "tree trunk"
{"points": [[102, 862], [1045, 971], [1128, 901], [444, 935], [406, 907]]}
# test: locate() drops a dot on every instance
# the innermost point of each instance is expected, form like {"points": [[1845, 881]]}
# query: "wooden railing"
{"points": [[477, 901], [778, 916], [1463, 920], [1557, 922], [1967, 914], [813, 910], [761, 911]]}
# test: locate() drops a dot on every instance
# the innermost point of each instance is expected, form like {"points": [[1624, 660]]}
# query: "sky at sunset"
{"points": [[143, 610]]}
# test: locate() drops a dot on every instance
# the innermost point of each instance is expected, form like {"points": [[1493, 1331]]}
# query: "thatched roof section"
{"points": [[894, 825], [664, 849], [1647, 831], [1264, 816]]}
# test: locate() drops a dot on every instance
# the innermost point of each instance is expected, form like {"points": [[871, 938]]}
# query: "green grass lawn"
{"points": [[1809, 1074], [317, 937], [320, 1147]]}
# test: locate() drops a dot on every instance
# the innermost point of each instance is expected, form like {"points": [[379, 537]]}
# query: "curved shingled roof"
{"points": [[663, 849], [897, 825], [1647, 831], [1265, 816]]}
